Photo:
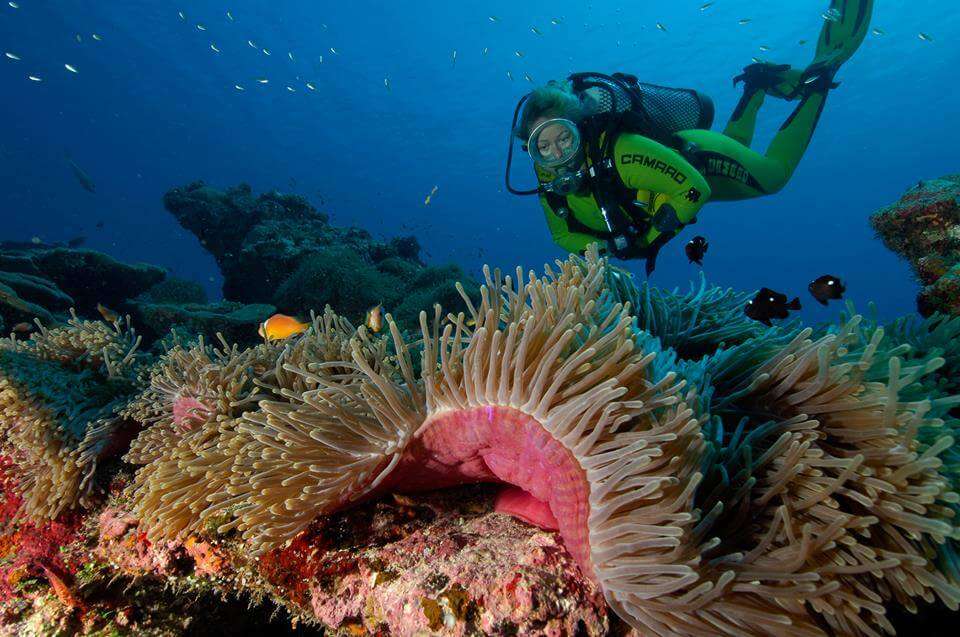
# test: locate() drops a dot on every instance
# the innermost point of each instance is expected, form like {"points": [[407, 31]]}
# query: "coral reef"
{"points": [[681, 469], [923, 227], [275, 248], [236, 322], [44, 282]]}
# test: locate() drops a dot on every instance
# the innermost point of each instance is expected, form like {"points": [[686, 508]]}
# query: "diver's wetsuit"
{"points": [[718, 166]]}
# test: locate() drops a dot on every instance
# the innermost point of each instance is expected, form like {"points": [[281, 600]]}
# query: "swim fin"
{"points": [[845, 25]]}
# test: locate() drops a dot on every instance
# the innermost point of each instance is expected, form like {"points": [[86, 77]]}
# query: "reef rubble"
{"points": [[923, 227]]}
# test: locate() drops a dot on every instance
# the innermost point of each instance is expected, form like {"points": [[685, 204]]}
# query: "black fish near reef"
{"points": [[826, 287], [695, 249], [768, 304]]}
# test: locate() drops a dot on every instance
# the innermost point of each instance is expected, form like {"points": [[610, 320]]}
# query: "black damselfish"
{"points": [[768, 304], [827, 287], [696, 248]]}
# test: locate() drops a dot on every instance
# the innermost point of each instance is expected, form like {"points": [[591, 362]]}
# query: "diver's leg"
{"points": [[791, 141], [743, 120], [759, 80], [735, 171]]}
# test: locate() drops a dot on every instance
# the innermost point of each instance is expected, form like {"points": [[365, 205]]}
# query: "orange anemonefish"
{"points": [[108, 315], [374, 319], [281, 326]]}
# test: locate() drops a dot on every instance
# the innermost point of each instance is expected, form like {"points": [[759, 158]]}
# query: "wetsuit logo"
{"points": [[656, 164], [717, 165], [693, 195]]}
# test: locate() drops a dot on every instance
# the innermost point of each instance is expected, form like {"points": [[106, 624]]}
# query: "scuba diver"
{"points": [[628, 164]]}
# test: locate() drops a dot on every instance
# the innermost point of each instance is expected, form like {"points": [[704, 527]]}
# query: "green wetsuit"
{"points": [[720, 167]]}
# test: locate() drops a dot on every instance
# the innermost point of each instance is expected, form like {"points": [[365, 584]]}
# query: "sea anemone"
{"points": [[693, 324], [783, 481], [61, 393], [194, 397]]}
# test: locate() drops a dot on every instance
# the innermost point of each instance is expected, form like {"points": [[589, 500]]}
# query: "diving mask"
{"points": [[555, 143]]}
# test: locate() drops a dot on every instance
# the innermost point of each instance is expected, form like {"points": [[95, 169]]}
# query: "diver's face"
{"points": [[554, 141]]}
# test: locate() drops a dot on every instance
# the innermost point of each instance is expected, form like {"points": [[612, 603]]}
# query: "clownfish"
{"points": [[281, 326], [374, 318]]}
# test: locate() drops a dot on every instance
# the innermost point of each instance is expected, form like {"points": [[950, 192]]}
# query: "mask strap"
{"points": [[510, 145]]}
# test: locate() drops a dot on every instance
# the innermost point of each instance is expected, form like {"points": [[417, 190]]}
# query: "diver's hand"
{"points": [[666, 220], [624, 247]]}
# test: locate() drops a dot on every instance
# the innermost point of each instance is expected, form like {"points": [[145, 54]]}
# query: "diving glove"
{"points": [[666, 220]]}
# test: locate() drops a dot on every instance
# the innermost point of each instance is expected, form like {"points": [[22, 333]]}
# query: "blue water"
{"points": [[153, 107]]}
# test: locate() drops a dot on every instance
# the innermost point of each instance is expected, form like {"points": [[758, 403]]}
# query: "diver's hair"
{"points": [[556, 99]]}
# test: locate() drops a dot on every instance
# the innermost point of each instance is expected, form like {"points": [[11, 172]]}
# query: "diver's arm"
{"points": [[574, 242], [645, 164]]}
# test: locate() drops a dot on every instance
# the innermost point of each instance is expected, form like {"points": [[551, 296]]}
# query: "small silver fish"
{"points": [[536, 30], [485, 50], [12, 56], [263, 80], [453, 57], [13, 5], [290, 55], [744, 21], [556, 21], [265, 51], [494, 18], [70, 68], [926, 37], [182, 17], [311, 86], [291, 89], [831, 15], [96, 37], [200, 27], [764, 48], [661, 27], [238, 87], [386, 83], [879, 31], [510, 75], [705, 6], [334, 51], [214, 48], [252, 44], [78, 38], [519, 54], [34, 78], [229, 16], [528, 78]]}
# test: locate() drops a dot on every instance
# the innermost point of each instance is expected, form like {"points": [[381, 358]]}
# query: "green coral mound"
{"points": [[338, 277]]}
